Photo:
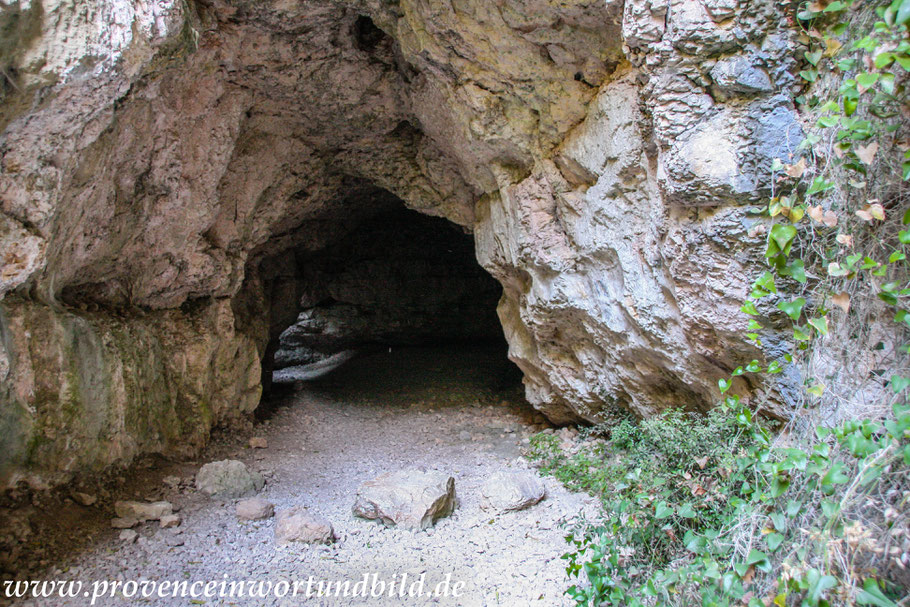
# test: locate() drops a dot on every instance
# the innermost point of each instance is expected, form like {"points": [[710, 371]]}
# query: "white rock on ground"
{"points": [[413, 499], [298, 524], [512, 491], [228, 478], [254, 509], [143, 511]]}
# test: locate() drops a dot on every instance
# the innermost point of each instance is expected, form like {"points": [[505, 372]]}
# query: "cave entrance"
{"points": [[393, 297]]}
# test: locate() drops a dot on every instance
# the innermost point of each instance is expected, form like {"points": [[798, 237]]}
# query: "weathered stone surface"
{"points": [[604, 186], [512, 491], [143, 511], [411, 498], [297, 524], [254, 509], [228, 478]]}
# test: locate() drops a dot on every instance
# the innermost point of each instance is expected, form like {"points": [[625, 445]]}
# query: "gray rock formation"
{"points": [[412, 499], [228, 478], [160, 162]]}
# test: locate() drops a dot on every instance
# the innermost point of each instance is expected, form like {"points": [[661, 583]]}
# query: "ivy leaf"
{"points": [[792, 308], [871, 594], [828, 218], [774, 367], [749, 308], [819, 184], [813, 58], [779, 238], [774, 540], [724, 385], [686, 511], [662, 511], [899, 384], [820, 324], [866, 80]]}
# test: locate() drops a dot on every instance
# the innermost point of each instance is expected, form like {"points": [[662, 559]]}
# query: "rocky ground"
{"points": [[457, 412]]}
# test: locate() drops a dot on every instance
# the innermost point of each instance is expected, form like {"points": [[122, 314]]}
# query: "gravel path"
{"points": [[427, 408]]}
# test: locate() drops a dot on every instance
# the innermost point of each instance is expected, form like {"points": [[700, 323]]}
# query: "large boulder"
{"points": [[228, 478], [412, 498]]}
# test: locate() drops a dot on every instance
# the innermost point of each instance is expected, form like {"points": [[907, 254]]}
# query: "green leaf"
{"points": [[818, 584], [819, 184], [779, 239], [749, 308], [903, 13], [759, 560], [799, 334], [774, 540], [724, 385], [904, 235], [867, 79], [775, 367], [813, 58], [899, 384], [686, 511], [820, 324], [871, 594], [662, 511], [797, 270], [793, 309]]}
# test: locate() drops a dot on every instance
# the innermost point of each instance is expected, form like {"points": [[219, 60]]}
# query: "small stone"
{"points": [[170, 520], [228, 478], [512, 491], [143, 511], [84, 499], [259, 442], [129, 536], [124, 522], [412, 499], [171, 481], [298, 525], [255, 509], [464, 435]]}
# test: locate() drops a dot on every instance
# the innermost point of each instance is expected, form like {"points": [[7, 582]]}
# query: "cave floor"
{"points": [[440, 409]]}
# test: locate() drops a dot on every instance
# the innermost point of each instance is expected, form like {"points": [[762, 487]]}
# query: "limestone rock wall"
{"points": [[159, 159]]}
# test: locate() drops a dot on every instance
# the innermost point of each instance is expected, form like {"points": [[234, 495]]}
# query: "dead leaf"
{"points": [[832, 45], [796, 170], [702, 462], [866, 153], [871, 211], [845, 239], [841, 300], [829, 218]]}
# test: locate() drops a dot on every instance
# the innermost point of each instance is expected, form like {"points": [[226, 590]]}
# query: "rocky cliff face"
{"points": [[160, 158]]}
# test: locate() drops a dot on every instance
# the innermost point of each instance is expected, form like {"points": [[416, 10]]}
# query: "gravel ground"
{"points": [[458, 412]]}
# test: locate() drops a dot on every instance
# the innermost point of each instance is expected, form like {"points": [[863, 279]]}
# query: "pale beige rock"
{"points": [[254, 509], [124, 522], [412, 499], [129, 536], [143, 511], [514, 490], [297, 524], [259, 442], [170, 520]]}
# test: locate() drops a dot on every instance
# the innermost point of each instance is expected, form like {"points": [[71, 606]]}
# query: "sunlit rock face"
{"points": [[160, 159]]}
